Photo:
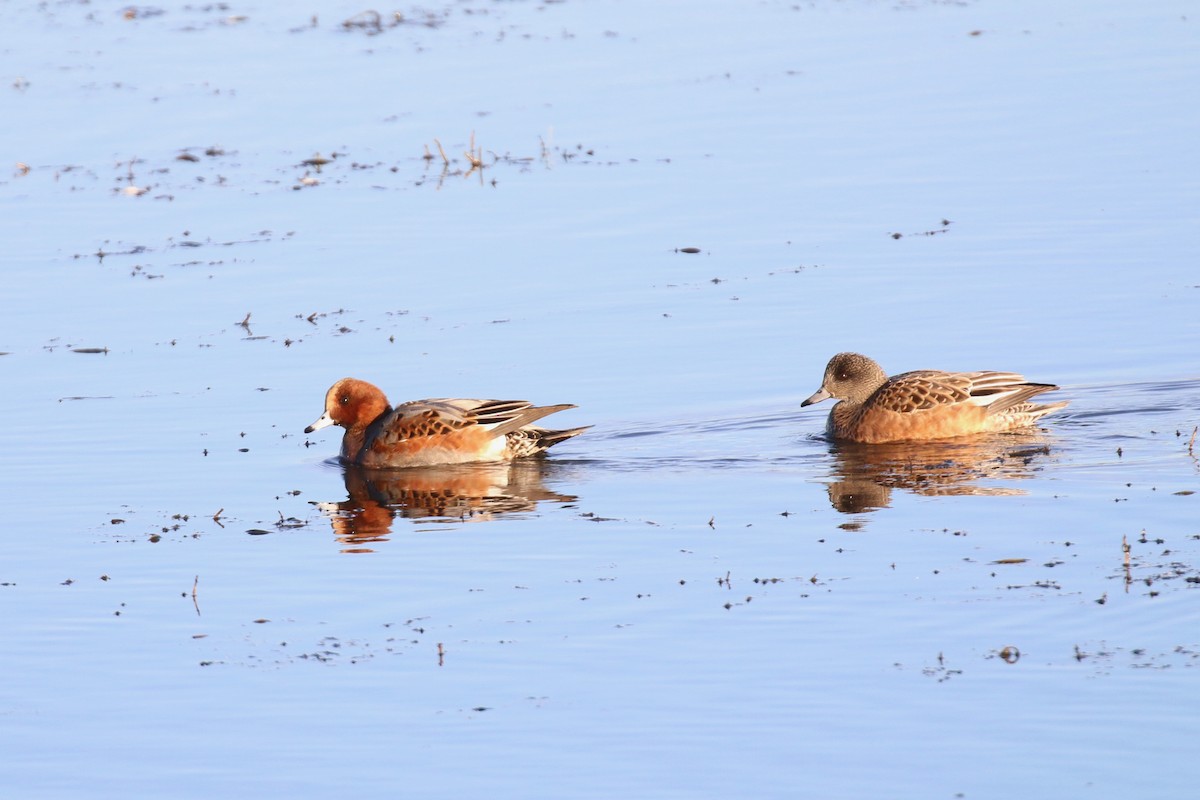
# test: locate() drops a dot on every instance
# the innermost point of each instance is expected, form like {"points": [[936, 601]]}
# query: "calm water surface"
{"points": [[702, 596]]}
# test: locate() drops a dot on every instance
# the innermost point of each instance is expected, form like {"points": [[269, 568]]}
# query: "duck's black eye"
{"points": [[344, 399]]}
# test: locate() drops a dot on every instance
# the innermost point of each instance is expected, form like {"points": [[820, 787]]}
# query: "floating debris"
{"points": [[944, 229], [287, 523], [369, 20], [1010, 654]]}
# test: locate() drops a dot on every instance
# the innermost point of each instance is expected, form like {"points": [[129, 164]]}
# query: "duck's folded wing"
{"points": [[442, 416], [924, 389], [1002, 391], [995, 392], [501, 417], [421, 418]]}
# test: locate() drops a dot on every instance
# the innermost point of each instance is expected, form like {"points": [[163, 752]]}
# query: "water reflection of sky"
{"points": [[785, 141]]}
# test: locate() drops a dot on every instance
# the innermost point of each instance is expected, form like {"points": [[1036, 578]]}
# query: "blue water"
{"points": [[701, 596]]}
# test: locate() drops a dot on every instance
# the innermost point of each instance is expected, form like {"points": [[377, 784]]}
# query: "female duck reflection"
{"points": [[461, 492], [863, 476]]}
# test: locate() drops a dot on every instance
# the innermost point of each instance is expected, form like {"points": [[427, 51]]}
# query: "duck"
{"points": [[436, 431], [925, 404]]}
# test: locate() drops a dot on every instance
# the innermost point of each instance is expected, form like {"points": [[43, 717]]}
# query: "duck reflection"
{"points": [[460, 492], [864, 476]]}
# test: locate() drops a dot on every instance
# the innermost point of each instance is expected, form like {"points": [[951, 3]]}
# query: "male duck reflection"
{"points": [[926, 404], [429, 432], [455, 492]]}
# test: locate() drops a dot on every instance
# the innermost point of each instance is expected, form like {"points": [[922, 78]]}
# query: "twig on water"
{"points": [[473, 156], [445, 158], [1125, 547]]}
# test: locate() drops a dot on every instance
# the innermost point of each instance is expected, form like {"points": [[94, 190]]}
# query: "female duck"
{"points": [[926, 404]]}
